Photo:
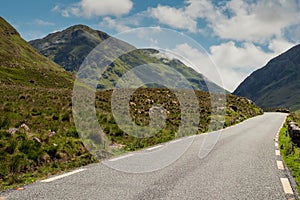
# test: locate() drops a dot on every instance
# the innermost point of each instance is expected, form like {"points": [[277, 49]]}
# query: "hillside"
{"points": [[71, 46], [277, 84], [37, 136], [37, 131], [21, 64]]}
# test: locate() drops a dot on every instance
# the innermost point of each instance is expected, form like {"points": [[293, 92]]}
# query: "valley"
{"points": [[37, 131]]}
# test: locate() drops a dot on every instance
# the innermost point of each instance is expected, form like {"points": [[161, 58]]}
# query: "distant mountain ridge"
{"points": [[68, 48], [277, 84], [38, 136], [71, 46]]}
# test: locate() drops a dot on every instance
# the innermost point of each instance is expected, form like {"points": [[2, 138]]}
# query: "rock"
{"points": [[174, 102], [46, 158], [12, 131], [51, 133], [116, 146], [37, 139], [25, 127], [234, 108], [132, 104]]}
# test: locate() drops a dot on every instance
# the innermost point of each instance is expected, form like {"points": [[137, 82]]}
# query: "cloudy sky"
{"points": [[238, 36]]}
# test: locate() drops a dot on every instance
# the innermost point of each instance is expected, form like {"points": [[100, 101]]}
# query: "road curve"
{"points": [[242, 165]]}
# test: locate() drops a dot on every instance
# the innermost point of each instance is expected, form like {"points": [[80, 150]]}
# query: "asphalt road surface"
{"points": [[242, 165]]}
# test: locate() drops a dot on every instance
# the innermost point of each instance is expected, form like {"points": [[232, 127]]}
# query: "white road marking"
{"points": [[276, 139], [62, 176], [174, 141], [121, 157], [276, 144], [286, 186], [155, 147], [277, 152], [280, 165], [192, 136]]}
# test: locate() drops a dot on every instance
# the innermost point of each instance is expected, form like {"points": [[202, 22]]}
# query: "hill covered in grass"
{"points": [[37, 131], [37, 137], [277, 84], [71, 46], [21, 64]]}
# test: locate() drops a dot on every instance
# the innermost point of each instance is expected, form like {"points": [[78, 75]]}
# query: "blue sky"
{"points": [[238, 36]]}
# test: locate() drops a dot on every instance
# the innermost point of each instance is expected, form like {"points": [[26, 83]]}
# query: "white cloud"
{"points": [[235, 20], [114, 24], [232, 62], [280, 45], [43, 23], [201, 9], [255, 22], [32, 35], [293, 33], [251, 33], [176, 18], [55, 8], [121, 24], [65, 13], [91, 8]]}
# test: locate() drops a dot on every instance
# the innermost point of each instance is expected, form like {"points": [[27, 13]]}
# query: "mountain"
{"points": [[277, 84], [21, 64], [71, 46], [37, 133], [68, 48], [38, 136]]}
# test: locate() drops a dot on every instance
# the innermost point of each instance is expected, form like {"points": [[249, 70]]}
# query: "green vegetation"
{"points": [[21, 64], [70, 47], [37, 131], [51, 144], [275, 85], [290, 152], [37, 134]]}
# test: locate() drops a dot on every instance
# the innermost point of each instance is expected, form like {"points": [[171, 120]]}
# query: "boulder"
{"points": [[13, 131]]}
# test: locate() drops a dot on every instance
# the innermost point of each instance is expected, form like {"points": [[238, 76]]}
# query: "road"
{"points": [[242, 165]]}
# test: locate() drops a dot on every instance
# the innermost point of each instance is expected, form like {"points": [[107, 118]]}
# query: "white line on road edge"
{"points": [[280, 165], [119, 158], [286, 186], [62, 176], [152, 148], [276, 144], [277, 152], [174, 141]]}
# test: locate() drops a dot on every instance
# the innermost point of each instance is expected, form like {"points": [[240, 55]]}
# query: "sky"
{"points": [[237, 36]]}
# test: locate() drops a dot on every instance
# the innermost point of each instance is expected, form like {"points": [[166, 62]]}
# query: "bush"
{"points": [[72, 132], [4, 122], [65, 117]]}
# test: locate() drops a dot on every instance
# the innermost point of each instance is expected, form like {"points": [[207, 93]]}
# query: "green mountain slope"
{"points": [[37, 134], [37, 131], [21, 64], [70, 47], [277, 84]]}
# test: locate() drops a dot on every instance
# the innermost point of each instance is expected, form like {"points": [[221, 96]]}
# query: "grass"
{"points": [[290, 152], [30, 155], [51, 144], [37, 131]]}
